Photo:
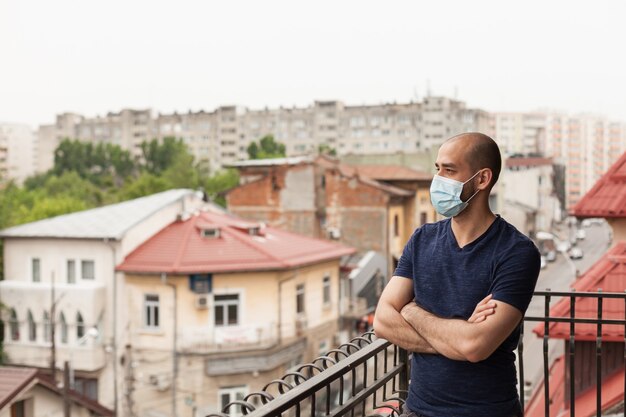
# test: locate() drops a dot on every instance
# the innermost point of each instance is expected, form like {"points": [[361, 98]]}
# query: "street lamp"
{"points": [[93, 334]]}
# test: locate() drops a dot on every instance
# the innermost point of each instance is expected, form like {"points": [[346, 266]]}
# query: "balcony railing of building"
{"points": [[370, 377]]}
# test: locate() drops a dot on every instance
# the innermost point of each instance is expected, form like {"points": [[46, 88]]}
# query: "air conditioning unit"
{"points": [[202, 301], [334, 233], [160, 382]]}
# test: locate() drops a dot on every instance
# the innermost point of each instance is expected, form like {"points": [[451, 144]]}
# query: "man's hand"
{"points": [[484, 308]]}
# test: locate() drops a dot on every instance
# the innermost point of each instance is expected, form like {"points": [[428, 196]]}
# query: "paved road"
{"points": [[558, 276]]}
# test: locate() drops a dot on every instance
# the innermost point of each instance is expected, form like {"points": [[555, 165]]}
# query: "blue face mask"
{"points": [[445, 195]]}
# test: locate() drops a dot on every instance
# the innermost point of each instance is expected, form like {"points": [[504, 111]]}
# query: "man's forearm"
{"points": [[446, 336], [389, 324]]}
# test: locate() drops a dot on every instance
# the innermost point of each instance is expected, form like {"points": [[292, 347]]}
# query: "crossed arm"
{"points": [[402, 322]]}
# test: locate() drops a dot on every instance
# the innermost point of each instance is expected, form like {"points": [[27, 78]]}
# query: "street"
{"points": [[558, 276]]}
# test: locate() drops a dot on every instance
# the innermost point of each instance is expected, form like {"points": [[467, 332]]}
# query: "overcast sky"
{"points": [[92, 57]]}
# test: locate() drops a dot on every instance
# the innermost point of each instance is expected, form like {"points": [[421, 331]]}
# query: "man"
{"points": [[459, 292]]}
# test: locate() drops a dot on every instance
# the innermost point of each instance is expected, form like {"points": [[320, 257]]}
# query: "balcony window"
{"points": [[80, 326], [32, 327], [226, 310], [151, 311], [14, 326], [229, 394], [63, 323]]}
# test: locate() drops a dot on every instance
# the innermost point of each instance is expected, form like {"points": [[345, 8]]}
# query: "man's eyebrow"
{"points": [[445, 165]]}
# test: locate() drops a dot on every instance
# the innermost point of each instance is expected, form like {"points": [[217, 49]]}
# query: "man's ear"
{"points": [[484, 178]]}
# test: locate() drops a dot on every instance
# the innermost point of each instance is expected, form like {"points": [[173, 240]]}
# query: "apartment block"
{"points": [[17, 152], [221, 137]]}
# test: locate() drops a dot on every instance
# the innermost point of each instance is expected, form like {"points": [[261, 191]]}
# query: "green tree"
{"points": [[158, 157], [222, 181], [267, 148], [325, 149]]}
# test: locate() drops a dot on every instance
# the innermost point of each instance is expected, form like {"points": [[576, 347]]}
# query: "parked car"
{"points": [[581, 234], [551, 256], [563, 246], [544, 262], [576, 253]]}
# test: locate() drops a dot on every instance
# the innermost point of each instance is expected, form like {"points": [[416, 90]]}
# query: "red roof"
{"points": [[14, 380], [527, 162], [180, 248], [607, 198], [608, 274]]}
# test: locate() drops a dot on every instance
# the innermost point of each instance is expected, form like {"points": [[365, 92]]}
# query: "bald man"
{"points": [[459, 292]]}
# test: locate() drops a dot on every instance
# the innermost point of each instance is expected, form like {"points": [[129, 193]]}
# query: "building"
{"points": [[61, 271], [218, 306], [607, 199], [519, 133], [17, 152], [221, 137], [323, 198], [26, 392], [531, 201], [609, 274]]}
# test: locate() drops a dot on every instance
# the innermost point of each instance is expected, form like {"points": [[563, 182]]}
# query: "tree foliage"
{"points": [[267, 148]]}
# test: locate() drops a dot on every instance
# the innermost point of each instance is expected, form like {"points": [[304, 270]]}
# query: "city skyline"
{"points": [[199, 56]]}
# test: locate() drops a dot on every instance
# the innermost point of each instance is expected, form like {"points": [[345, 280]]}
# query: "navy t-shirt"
{"points": [[449, 281]]}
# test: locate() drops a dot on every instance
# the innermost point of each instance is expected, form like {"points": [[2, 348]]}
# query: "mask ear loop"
{"points": [[477, 191]]}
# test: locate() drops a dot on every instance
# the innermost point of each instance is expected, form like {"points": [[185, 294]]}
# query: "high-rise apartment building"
{"points": [[17, 152], [222, 136]]}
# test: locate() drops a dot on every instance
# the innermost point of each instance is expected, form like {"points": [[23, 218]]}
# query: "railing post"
{"points": [[599, 358], [404, 373], [546, 363]]}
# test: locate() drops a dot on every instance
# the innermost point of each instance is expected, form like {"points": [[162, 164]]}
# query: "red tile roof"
{"points": [[609, 274], [14, 380], [527, 162], [607, 198], [181, 249]]}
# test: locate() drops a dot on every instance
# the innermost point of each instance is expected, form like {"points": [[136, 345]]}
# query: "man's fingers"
{"points": [[485, 300]]}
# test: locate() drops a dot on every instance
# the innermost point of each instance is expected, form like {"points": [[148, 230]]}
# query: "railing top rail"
{"points": [[581, 294]]}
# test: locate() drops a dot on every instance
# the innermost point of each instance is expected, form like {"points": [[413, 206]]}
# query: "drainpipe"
{"points": [[114, 338], [174, 336]]}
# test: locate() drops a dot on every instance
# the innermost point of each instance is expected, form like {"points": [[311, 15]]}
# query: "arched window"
{"points": [[80, 326], [47, 328], [14, 326], [32, 327], [63, 328]]}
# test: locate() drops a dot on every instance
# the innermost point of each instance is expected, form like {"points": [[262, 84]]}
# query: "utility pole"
{"points": [[53, 355], [174, 335], [130, 381], [66, 389]]}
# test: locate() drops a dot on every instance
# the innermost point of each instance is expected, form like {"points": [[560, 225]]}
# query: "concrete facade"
{"points": [[17, 152]]}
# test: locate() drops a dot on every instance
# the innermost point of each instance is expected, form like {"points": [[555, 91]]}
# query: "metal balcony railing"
{"points": [[370, 377]]}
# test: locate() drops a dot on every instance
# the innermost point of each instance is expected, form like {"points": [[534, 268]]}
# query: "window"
{"points": [[87, 386], [14, 326], [229, 394], [323, 347], [88, 269], [18, 409], [80, 326], [47, 328], [395, 226], [200, 283], [326, 289], [300, 299], [63, 328], [71, 271], [151, 311], [36, 269], [227, 310], [423, 218], [32, 327]]}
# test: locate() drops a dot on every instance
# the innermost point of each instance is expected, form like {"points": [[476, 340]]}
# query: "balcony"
{"points": [[370, 376]]}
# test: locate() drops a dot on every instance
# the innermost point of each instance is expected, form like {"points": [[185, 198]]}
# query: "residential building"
{"points": [[17, 152], [519, 133], [531, 201], [321, 197], [61, 271], [26, 392], [609, 274], [218, 306], [221, 137], [607, 199]]}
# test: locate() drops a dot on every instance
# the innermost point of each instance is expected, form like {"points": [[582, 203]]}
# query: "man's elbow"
{"points": [[475, 350], [379, 328]]}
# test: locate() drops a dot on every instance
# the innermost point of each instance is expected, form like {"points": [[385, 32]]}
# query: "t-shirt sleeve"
{"points": [[516, 276], [405, 263]]}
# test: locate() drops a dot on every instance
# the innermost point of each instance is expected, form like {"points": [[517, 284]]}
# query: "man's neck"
{"points": [[471, 224]]}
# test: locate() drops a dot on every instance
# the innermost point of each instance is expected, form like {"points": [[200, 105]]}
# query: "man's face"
{"points": [[452, 163]]}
